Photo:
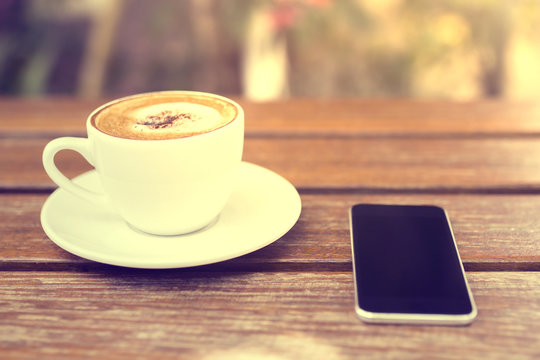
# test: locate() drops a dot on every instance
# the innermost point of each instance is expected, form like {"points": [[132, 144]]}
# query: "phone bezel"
{"points": [[411, 318]]}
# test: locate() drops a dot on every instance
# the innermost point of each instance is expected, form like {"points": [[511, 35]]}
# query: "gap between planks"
{"points": [[310, 134], [236, 266], [492, 190]]}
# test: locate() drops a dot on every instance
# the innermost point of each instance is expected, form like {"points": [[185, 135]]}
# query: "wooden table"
{"points": [[294, 298]]}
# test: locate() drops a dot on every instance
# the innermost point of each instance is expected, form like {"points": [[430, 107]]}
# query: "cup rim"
{"points": [[91, 128]]}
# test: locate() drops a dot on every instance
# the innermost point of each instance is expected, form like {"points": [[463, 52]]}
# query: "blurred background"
{"points": [[272, 49]]}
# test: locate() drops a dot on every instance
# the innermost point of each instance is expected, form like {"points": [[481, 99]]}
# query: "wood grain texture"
{"points": [[61, 116], [493, 232], [174, 314], [386, 163], [294, 298]]}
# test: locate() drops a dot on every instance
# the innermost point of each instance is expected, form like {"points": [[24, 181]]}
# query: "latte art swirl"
{"points": [[164, 116], [176, 118]]}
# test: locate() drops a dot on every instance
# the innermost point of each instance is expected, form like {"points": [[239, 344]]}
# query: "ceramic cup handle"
{"points": [[80, 145]]}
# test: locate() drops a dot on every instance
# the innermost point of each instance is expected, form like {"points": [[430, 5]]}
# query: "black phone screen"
{"points": [[406, 261]]}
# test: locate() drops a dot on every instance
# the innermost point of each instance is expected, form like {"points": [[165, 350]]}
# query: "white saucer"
{"points": [[262, 208]]}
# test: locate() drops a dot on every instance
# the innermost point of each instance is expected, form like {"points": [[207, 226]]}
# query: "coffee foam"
{"points": [[164, 116]]}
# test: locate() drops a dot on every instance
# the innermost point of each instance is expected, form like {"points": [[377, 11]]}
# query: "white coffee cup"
{"points": [[163, 187]]}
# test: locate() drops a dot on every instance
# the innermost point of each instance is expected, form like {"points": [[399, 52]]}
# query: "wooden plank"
{"points": [[412, 163], [381, 117], [374, 117], [170, 314], [44, 116], [337, 163], [493, 232]]}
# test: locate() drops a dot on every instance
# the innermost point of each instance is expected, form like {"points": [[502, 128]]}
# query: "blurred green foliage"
{"points": [[452, 49]]}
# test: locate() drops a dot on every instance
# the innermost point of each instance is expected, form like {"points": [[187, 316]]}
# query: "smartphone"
{"points": [[407, 267]]}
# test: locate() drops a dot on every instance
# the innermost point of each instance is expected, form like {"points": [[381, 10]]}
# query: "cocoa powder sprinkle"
{"points": [[164, 120]]}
